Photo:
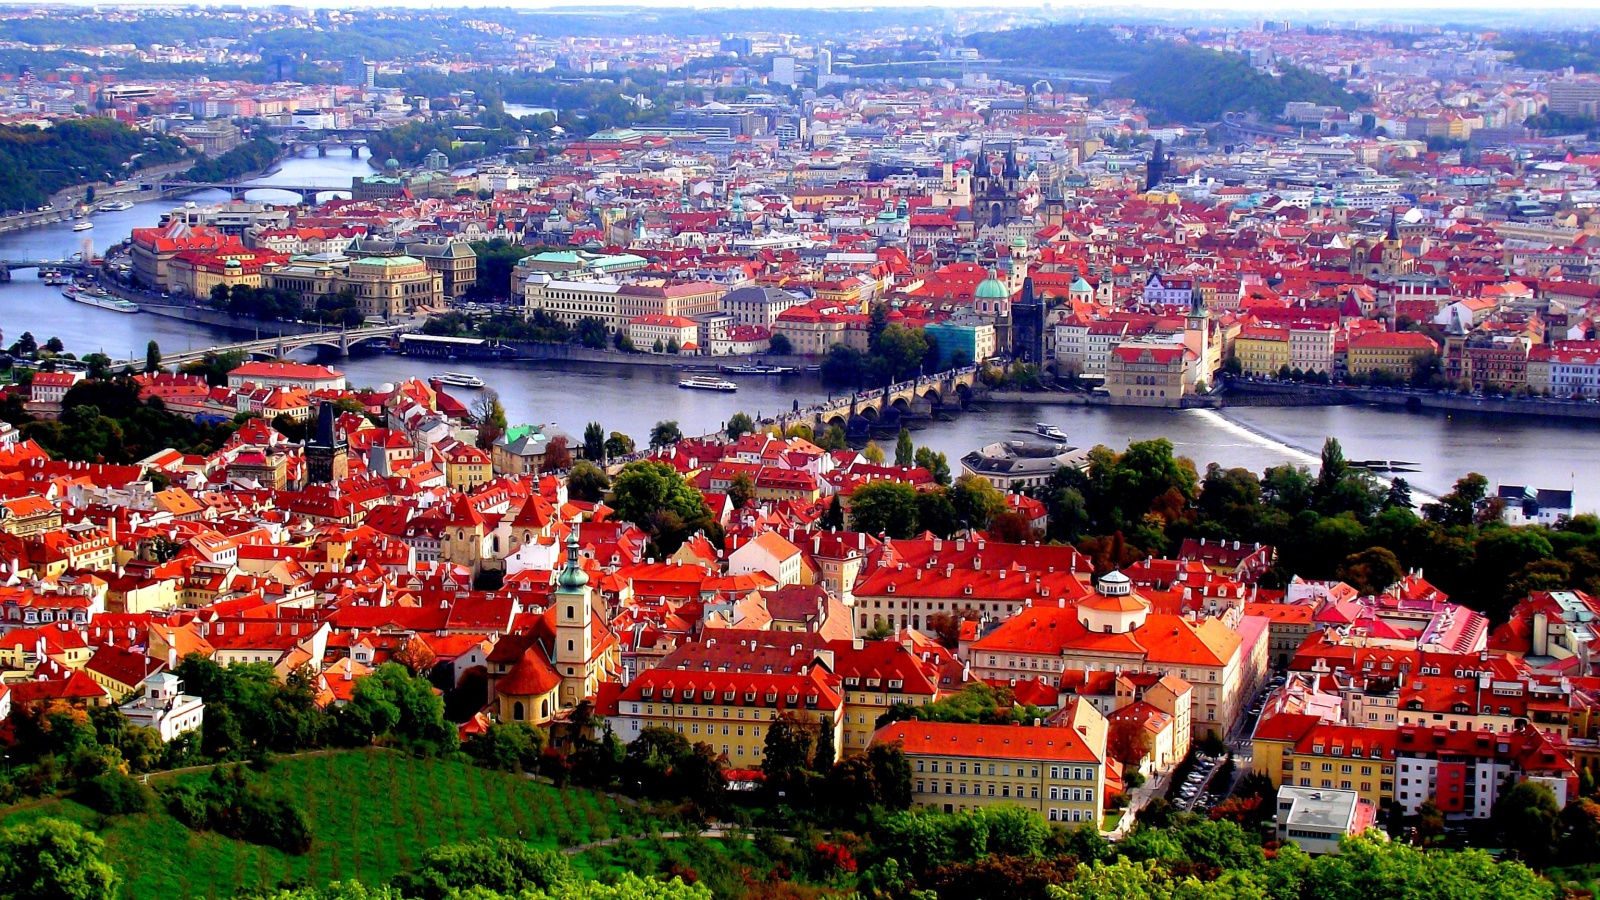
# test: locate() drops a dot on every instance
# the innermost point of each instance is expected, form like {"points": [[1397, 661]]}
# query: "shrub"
{"points": [[116, 793]]}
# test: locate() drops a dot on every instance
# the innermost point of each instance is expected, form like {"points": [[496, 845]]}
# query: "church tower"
{"points": [[574, 650], [327, 459]]}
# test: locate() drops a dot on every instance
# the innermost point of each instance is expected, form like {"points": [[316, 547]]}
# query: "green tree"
{"points": [[741, 490], [665, 434], [787, 758], [739, 425], [54, 859], [500, 865], [1372, 570], [618, 444], [393, 703], [873, 453], [936, 464], [884, 507], [594, 442], [779, 345], [977, 501], [152, 357], [1527, 817], [833, 438], [657, 498], [905, 453], [587, 482]]}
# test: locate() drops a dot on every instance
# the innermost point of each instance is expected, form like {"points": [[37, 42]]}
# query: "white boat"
{"points": [[1045, 429], [51, 276], [100, 300], [83, 225], [457, 379], [115, 206], [707, 383]]}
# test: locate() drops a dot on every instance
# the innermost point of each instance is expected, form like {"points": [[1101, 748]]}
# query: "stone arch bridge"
{"points": [[924, 395], [279, 346]]}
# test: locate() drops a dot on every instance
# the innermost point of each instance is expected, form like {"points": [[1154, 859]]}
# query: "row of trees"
{"points": [[341, 309], [106, 421], [1340, 523]]}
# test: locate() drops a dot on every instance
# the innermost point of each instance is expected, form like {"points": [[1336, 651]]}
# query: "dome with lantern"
{"points": [[991, 296], [1113, 608]]}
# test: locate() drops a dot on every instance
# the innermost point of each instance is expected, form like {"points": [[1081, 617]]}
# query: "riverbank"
{"points": [[1249, 392]]}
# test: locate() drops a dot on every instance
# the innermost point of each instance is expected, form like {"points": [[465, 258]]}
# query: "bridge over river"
{"points": [[280, 345]]}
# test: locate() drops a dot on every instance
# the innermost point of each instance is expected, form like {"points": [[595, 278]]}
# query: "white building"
{"points": [[165, 707], [769, 553], [1317, 818]]}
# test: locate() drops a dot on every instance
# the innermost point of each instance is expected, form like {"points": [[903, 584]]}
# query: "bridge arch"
{"points": [[933, 396], [839, 418], [870, 413]]}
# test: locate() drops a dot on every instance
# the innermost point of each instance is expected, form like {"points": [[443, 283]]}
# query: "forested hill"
{"points": [[1087, 47], [1190, 84], [36, 162], [1175, 81]]}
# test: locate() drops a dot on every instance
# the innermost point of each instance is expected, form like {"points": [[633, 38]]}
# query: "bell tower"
{"points": [[574, 650]]}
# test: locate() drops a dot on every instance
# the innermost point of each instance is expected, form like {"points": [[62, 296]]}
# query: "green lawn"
{"points": [[371, 812]]}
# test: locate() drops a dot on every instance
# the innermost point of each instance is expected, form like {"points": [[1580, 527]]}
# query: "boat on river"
{"points": [[115, 206], [758, 369], [1045, 429], [100, 299], [707, 383], [457, 379], [83, 225]]}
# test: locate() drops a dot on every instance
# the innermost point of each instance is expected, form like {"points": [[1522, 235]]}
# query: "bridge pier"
{"points": [[321, 150], [355, 152]]}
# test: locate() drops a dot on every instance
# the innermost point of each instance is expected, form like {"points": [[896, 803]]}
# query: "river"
{"points": [[1544, 453]]}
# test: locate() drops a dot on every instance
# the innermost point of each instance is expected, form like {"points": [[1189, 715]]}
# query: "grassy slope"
{"points": [[371, 812]]}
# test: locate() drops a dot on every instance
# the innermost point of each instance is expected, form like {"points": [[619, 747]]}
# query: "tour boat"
{"points": [[1045, 429], [706, 383], [758, 369], [115, 206], [457, 379], [100, 300], [51, 276], [83, 225]]}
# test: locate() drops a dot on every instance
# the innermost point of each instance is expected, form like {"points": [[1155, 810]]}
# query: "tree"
{"points": [[665, 434], [392, 703], [1526, 816], [936, 464], [786, 757], [741, 490], [1581, 821], [884, 507], [594, 442], [54, 345], [833, 438], [415, 654], [508, 746], [54, 859], [152, 357], [779, 345], [977, 501], [873, 453], [833, 516], [1128, 742], [496, 864], [905, 454], [739, 425], [1372, 570], [587, 482], [26, 345], [657, 498], [556, 454], [489, 416], [618, 444], [1399, 494]]}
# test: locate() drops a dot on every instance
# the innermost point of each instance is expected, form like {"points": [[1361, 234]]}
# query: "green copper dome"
{"points": [[992, 288], [572, 577]]}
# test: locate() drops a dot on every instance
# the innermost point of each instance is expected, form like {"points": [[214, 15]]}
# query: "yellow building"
{"points": [[1391, 351], [466, 467], [729, 710], [1303, 751], [1261, 350], [1057, 772], [387, 286]]}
